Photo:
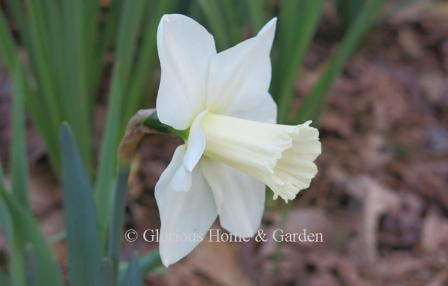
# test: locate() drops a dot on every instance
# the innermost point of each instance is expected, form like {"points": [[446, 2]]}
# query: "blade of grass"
{"points": [[76, 101], [30, 265], [279, 244], [8, 56], [256, 12], [116, 225], [62, 235], [19, 165], [39, 52], [82, 239], [146, 60], [54, 27], [4, 279], [297, 25], [42, 123], [148, 263], [106, 37], [5, 219], [217, 24], [91, 47], [310, 109], [25, 232], [126, 41], [37, 109], [347, 10], [288, 12], [110, 26], [52, 31], [311, 106], [305, 27], [133, 274], [2, 177], [106, 276], [17, 10], [229, 10]]}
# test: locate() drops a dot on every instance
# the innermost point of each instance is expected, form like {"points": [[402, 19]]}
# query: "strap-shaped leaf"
{"points": [[4, 279], [105, 274], [126, 42], [5, 220], [30, 265], [313, 102], [19, 164], [25, 232], [297, 25], [138, 87], [133, 274], [149, 262], [79, 215], [2, 178], [117, 220]]}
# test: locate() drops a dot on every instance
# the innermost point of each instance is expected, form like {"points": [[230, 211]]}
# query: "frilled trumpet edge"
{"points": [[281, 156]]}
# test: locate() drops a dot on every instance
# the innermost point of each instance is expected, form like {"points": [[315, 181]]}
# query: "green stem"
{"points": [[154, 123]]}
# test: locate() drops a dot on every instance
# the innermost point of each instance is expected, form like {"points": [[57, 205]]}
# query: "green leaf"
{"points": [[4, 279], [311, 106], [5, 220], [216, 21], [150, 261], [36, 106], [2, 178], [116, 224], [153, 122], [17, 10], [6, 229], [256, 11], [76, 100], [133, 274], [297, 26], [348, 10], [25, 232], [19, 165], [40, 55], [111, 25], [229, 9], [8, 56], [146, 60], [43, 98], [30, 265], [105, 275], [131, 17], [79, 215]]}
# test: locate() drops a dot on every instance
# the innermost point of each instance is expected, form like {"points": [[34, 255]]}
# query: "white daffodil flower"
{"points": [[234, 148]]}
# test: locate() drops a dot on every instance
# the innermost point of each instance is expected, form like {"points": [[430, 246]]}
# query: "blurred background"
{"points": [[372, 74]]}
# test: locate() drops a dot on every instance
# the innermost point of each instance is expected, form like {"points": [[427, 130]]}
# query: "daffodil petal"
{"points": [[185, 217], [181, 181], [185, 50], [281, 156], [239, 198], [240, 78], [196, 143]]}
